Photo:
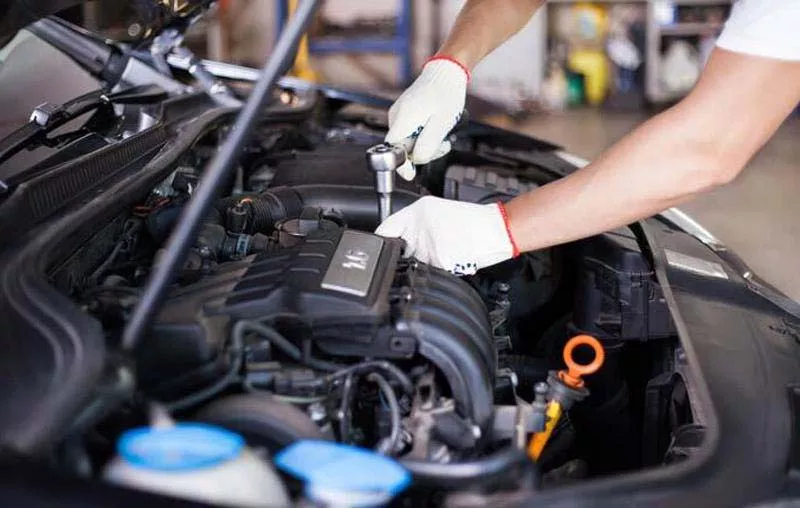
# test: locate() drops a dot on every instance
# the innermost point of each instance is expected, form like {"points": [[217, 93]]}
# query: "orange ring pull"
{"points": [[573, 376]]}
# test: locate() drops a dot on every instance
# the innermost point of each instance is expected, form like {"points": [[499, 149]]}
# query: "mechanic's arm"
{"points": [[483, 25], [433, 103], [701, 143]]}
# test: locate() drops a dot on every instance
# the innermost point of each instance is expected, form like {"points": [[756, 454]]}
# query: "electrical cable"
{"points": [[236, 352], [389, 445], [344, 407], [285, 345], [336, 371], [98, 272], [194, 213], [371, 365]]}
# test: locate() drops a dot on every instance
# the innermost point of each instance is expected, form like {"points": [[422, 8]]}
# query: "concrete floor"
{"points": [[756, 215]]}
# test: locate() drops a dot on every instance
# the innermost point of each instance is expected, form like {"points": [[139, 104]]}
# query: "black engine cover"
{"points": [[357, 297]]}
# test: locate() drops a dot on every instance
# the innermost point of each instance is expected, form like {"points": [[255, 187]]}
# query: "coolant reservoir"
{"points": [[196, 461]]}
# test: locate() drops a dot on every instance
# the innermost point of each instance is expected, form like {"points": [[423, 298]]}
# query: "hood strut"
{"points": [[214, 175]]}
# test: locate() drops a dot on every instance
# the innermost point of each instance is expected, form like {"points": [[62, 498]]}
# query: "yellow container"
{"points": [[593, 64]]}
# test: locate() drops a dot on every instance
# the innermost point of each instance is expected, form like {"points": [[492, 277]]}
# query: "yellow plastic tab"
{"points": [[540, 439]]}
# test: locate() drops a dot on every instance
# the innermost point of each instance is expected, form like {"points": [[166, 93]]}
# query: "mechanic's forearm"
{"points": [[702, 142], [652, 169], [483, 25]]}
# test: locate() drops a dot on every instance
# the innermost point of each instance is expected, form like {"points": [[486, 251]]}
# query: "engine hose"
{"points": [[336, 371], [388, 446], [372, 365], [356, 205], [468, 474], [236, 351], [285, 345], [262, 417], [263, 210]]}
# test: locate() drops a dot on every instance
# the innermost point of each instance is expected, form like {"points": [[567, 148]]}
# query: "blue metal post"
{"points": [[281, 15], [405, 31], [400, 44]]}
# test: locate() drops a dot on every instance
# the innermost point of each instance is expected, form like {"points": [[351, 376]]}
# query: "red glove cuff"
{"points": [[515, 250], [453, 60]]}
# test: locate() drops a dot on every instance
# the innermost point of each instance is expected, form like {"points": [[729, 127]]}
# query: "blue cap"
{"points": [[343, 468], [183, 447]]}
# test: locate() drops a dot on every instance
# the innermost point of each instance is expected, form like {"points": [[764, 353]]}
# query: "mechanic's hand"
{"points": [[426, 112], [457, 236]]}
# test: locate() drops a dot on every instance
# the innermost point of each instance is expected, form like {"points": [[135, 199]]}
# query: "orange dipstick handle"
{"points": [[573, 376]]}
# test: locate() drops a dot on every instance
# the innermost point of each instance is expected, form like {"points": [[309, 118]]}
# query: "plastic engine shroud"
{"points": [[358, 297]]}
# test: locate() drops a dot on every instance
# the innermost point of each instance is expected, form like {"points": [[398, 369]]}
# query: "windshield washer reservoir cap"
{"points": [[181, 448], [334, 472]]}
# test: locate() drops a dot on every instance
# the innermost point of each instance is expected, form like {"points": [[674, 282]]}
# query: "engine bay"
{"points": [[291, 320]]}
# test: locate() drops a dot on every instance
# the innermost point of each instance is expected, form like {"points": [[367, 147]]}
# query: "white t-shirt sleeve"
{"points": [[768, 28]]}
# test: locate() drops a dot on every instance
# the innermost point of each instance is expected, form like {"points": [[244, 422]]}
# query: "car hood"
{"points": [[16, 14]]}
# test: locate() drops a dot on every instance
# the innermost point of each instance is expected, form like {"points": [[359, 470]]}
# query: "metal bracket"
{"points": [[170, 43], [45, 113], [518, 421]]}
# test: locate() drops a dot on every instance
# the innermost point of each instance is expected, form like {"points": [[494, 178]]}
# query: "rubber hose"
{"points": [[285, 345], [467, 474], [357, 206], [236, 350], [264, 210], [262, 418]]}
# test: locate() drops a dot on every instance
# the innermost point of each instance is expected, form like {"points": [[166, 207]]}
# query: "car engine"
{"points": [[342, 292], [290, 320]]}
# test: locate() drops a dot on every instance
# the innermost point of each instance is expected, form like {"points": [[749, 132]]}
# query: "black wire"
{"points": [[95, 276], [371, 365], [336, 370], [236, 352], [389, 445], [285, 345], [344, 407]]}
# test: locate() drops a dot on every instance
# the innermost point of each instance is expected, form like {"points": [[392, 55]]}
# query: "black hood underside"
{"points": [[16, 14]]}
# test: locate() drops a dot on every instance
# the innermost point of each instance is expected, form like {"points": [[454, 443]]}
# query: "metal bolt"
{"points": [[540, 391], [134, 30], [476, 432], [317, 413]]}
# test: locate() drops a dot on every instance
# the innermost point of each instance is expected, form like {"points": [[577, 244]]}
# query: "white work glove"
{"points": [[426, 112], [456, 236]]}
